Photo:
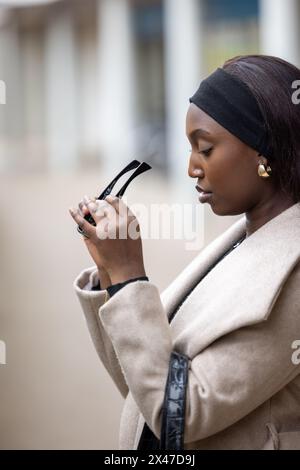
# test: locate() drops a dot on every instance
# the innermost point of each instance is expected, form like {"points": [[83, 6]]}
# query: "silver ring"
{"points": [[82, 232]]}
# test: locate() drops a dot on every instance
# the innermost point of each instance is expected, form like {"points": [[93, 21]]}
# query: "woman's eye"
{"points": [[206, 152]]}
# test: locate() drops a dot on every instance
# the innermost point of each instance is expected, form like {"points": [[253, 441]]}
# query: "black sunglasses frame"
{"points": [[141, 167]]}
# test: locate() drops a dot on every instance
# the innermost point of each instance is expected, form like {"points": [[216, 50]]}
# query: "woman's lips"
{"points": [[204, 195]]}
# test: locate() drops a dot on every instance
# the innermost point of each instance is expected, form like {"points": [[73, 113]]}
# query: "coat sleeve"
{"points": [[90, 302], [226, 381]]}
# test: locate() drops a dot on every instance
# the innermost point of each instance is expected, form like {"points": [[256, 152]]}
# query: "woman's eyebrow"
{"points": [[198, 133]]}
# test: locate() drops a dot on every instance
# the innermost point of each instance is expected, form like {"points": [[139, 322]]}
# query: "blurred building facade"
{"points": [[95, 83], [90, 84]]}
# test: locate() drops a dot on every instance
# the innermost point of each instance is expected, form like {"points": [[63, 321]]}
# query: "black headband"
{"points": [[230, 102]]}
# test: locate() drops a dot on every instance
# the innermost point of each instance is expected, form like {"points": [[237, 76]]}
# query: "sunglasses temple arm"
{"points": [[108, 189], [141, 169]]}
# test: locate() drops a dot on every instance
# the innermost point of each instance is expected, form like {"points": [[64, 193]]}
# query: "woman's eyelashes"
{"points": [[205, 152]]}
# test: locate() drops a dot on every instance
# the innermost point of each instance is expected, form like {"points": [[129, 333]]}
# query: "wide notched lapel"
{"points": [[197, 268], [240, 290]]}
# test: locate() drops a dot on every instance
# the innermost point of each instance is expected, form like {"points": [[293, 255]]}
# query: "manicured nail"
{"points": [[93, 208]]}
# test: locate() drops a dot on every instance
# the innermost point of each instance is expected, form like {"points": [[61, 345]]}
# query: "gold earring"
{"points": [[263, 171]]}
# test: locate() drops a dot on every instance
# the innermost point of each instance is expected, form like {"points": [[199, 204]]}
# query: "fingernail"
{"points": [[71, 210], [93, 208]]}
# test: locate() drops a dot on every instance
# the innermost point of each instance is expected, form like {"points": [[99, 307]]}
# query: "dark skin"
{"points": [[227, 167]]}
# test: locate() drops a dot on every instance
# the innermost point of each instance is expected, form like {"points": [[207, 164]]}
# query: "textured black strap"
{"points": [[173, 411]]}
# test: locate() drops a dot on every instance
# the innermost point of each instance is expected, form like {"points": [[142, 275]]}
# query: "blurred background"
{"points": [[90, 85]]}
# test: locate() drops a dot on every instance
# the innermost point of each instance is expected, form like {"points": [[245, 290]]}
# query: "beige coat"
{"points": [[237, 327]]}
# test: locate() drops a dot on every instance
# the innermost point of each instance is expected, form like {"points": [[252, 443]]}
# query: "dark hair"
{"points": [[270, 81]]}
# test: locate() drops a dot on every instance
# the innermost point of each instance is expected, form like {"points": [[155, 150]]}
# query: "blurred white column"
{"points": [[87, 93], [4, 46], [279, 29], [34, 105], [116, 87], [182, 39], [32, 53], [11, 113], [61, 96]]}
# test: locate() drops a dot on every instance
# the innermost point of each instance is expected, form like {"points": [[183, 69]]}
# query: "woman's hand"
{"points": [[115, 243], [104, 278]]}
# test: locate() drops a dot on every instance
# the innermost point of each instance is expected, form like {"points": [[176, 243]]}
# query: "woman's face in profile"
{"points": [[223, 165]]}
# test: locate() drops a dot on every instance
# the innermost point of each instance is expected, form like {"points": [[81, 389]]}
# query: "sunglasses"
{"points": [[141, 167]]}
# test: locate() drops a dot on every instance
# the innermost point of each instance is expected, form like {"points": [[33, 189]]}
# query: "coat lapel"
{"points": [[240, 290], [195, 270]]}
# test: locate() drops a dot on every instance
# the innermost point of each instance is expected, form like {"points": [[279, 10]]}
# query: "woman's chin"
{"points": [[219, 209], [222, 208]]}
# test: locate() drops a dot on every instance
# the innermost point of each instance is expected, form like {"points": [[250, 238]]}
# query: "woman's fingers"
{"points": [[87, 228], [119, 206], [108, 206], [83, 210], [109, 214], [97, 208], [90, 204]]}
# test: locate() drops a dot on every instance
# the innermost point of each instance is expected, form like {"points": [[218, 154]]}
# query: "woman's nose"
{"points": [[194, 171]]}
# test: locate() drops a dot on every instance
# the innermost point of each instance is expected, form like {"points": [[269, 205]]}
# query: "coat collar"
{"points": [[240, 290]]}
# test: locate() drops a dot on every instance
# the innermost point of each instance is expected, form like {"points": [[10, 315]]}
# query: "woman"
{"points": [[235, 310]]}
